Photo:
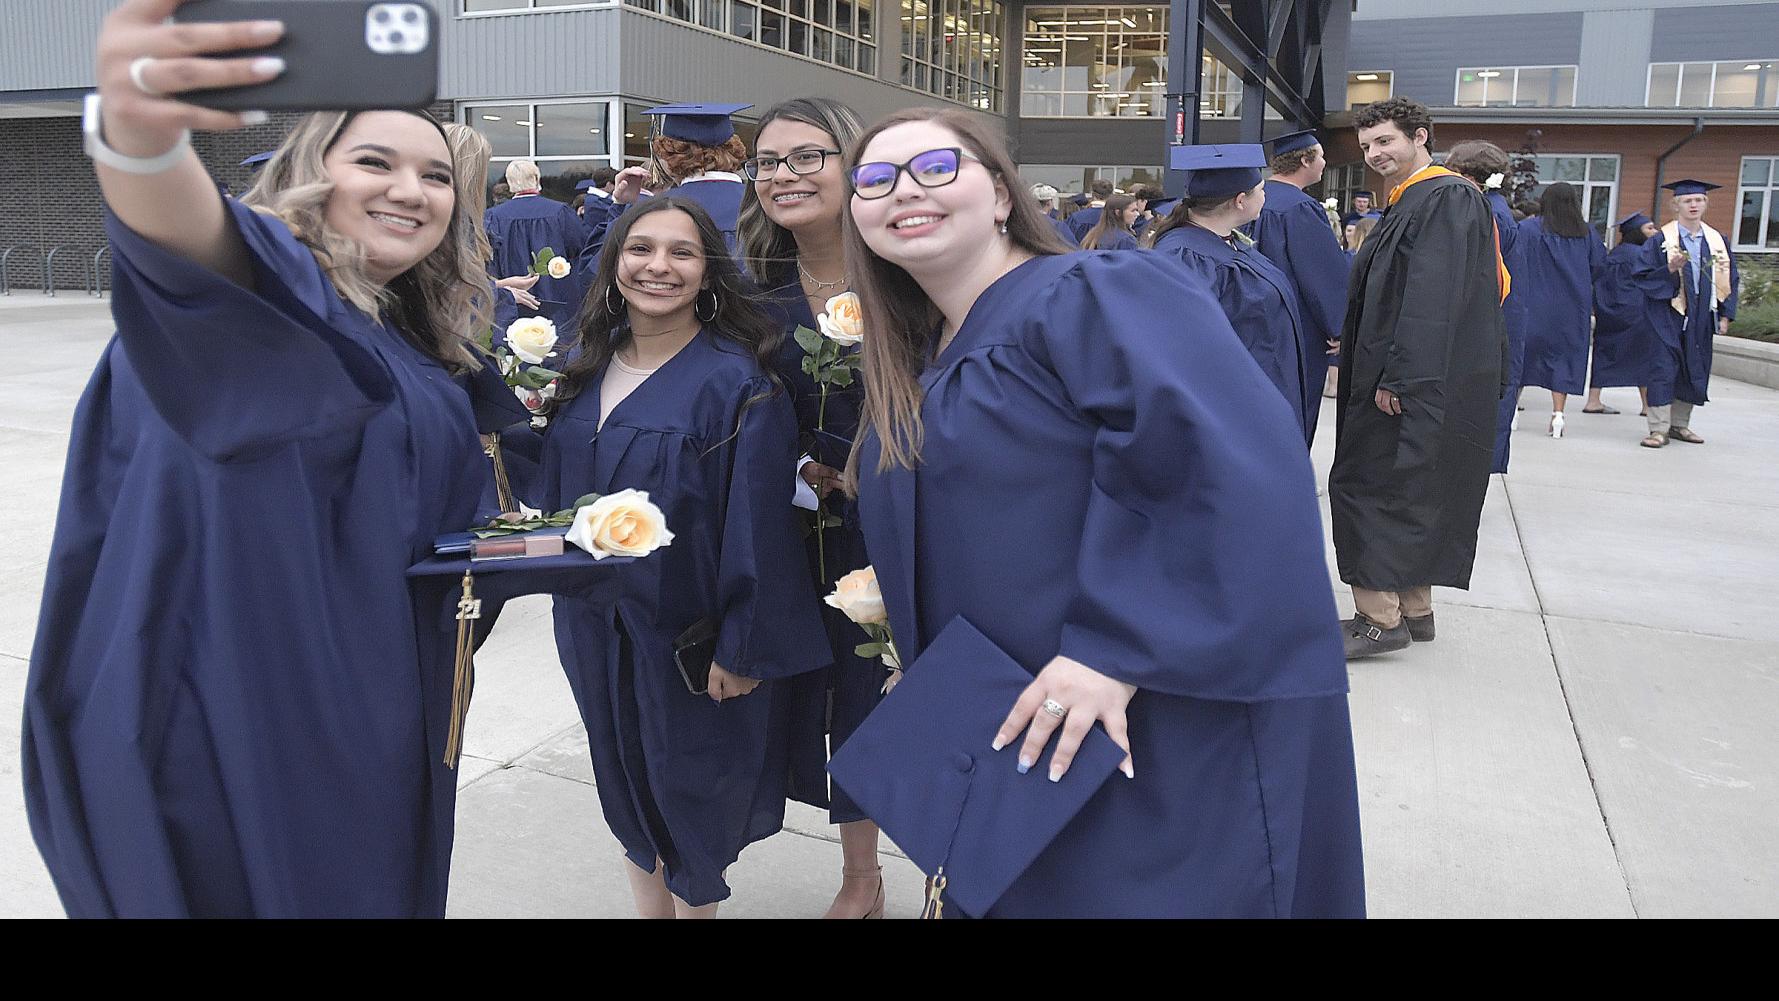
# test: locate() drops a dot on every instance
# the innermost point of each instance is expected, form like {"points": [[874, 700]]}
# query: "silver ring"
{"points": [[136, 67], [1055, 708]]}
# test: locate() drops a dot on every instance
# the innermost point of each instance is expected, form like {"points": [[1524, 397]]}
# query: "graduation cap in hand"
{"points": [[1219, 171]]}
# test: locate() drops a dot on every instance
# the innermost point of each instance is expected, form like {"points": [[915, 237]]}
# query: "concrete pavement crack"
{"points": [[1568, 706]]}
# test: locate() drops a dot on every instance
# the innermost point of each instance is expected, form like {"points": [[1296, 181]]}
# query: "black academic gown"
{"points": [[234, 708], [1294, 234], [1423, 321], [1260, 304], [1513, 317], [680, 777], [1684, 369]]}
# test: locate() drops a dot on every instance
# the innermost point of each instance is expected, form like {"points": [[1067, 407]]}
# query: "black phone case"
{"points": [[328, 65], [693, 651]]}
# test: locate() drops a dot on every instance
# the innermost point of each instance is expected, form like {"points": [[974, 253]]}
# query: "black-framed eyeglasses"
{"points": [[803, 161], [933, 169]]}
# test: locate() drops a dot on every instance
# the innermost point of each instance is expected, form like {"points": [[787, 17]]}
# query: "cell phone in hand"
{"points": [[339, 55], [693, 652]]}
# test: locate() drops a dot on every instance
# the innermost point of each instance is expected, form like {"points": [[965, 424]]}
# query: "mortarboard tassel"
{"points": [[469, 609], [503, 487], [935, 906]]}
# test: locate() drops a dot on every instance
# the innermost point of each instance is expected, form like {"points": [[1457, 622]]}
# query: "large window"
{"points": [[953, 48], [839, 32], [1367, 86], [1595, 174], [568, 139], [1072, 178], [1757, 224], [1737, 83], [1340, 183], [1081, 62], [1516, 87]]}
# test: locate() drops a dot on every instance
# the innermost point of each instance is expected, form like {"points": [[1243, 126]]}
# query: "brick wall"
{"points": [[1715, 156], [49, 195]]}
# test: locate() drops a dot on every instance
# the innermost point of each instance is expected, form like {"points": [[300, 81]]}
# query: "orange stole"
{"points": [[1502, 278]]}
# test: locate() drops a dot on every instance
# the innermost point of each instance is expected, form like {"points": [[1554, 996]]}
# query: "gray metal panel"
{"points": [[532, 55], [670, 61], [1614, 59], [48, 44], [1426, 52], [1129, 141], [1706, 34]]}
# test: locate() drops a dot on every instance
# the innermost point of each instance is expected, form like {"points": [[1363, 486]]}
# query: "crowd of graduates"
{"points": [[1080, 479]]}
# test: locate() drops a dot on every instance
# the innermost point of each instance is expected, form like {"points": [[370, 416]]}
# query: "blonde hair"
{"points": [[522, 175], [441, 303], [470, 154]]}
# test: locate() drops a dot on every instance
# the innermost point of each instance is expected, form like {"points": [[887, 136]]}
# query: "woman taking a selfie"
{"points": [[1139, 532], [670, 392], [230, 710]]}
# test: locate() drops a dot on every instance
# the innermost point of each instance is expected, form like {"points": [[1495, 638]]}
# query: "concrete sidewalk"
{"points": [[1591, 735]]}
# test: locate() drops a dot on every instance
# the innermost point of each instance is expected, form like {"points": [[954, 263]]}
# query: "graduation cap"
{"points": [[1636, 220], [1081, 199], [1362, 194], [1219, 171], [1291, 142], [258, 160], [704, 124], [1689, 186], [586, 185], [923, 767]]}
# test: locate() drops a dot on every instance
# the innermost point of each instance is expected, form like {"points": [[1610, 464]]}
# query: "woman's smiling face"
{"points": [[394, 191], [929, 229], [661, 268], [797, 201]]}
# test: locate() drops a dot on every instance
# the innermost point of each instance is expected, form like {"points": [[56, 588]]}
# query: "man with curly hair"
{"points": [[1422, 365]]}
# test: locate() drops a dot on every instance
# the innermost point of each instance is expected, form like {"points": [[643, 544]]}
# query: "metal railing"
{"points": [[5, 264], [97, 287], [49, 269]]}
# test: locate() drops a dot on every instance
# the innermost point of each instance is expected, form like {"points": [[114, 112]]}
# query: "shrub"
{"points": [[1759, 322], [1759, 275]]}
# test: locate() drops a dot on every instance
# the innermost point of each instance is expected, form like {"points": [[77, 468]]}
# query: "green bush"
{"points": [[1759, 322], [1759, 275]]}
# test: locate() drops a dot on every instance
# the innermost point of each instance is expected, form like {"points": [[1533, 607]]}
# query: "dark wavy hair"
{"points": [[739, 318], [1407, 114], [1561, 204]]}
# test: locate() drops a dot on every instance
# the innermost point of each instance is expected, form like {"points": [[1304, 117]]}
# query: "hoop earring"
{"points": [[617, 308], [715, 305]]}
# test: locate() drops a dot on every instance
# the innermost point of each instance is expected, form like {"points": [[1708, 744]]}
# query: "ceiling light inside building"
{"points": [[522, 122], [1367, 77], [490, 118], [1488, 74], [1752, 66]]}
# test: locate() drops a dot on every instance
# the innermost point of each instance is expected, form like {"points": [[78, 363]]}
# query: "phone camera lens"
{"points": [[395, 37], [381, 16], [411, 16]]}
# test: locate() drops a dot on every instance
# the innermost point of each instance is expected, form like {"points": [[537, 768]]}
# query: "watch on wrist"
{"points": [[90, 125]]}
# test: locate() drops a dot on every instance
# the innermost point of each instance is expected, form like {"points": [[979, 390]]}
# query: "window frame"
{"points": [[1587, 184], [1514, 93], [950, 72], [1030, 14], [760, 8], [1769, 212], [1711, 98], [1353, 75], [530, 7], [614, 126]]}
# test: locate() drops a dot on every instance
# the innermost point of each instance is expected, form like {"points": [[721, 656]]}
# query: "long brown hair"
{"points": [[605, 324], [441, 304], [899, 316], [768, 249], [1561, 210], [1111, 221]]}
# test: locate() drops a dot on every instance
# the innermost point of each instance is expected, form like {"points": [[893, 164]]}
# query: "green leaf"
{"points": [[841, 377], [832, 521], [582, 501], [810, 341], [810, 366], [869, 650]]}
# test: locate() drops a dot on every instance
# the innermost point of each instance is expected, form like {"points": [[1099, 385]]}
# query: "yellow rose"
{"points": [[626, 523], [559, 267], [843, 322], [857, 595], [532, 339]]}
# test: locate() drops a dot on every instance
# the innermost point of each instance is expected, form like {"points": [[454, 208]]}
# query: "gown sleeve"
{"points": [[237, 371], [1320, 266], [770, 626], [1727, 308], [1431, 317], [1201, 571], [1651, 274]]}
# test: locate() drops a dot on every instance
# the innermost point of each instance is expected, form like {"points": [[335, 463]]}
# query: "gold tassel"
{"points": [[503, 487], [935, 906], [469, 609]]}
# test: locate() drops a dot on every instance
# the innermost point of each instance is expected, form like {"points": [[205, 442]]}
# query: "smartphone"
{"points": [[693, 652], [339, 55]]}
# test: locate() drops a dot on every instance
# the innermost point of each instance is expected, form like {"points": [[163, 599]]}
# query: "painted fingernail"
{"points": [[1055, 774], [268, 66], [1129, 770], [1024, 766], [998, 744], [254, 118], [267, 29]]}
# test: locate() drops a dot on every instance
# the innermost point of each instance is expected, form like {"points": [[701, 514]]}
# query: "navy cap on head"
{"points": [[1219, 171], [585, 185], [1291, 142], [1689, 186], [704, 124], [1636, 220], [258, 160], [922, 766], [1082, 199], [1362, 194]]}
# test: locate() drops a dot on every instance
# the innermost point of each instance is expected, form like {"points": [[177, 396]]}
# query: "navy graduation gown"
{"points": [[233, 707], [718, 195], [1627, 349], [1513, 317], [520, 227], [1555, 285], [1129, 506], [682, 778], [1294, 234], [1684, 369], [1117, 240], [1081, 222], [1261, 306], [827, 705]]}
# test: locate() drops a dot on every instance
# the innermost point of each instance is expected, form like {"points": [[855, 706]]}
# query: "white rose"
{"points": [[858, 596], [1495, 181], [532, 339], [626, 523], [559, 267], [1332, 203], [843, 321]]}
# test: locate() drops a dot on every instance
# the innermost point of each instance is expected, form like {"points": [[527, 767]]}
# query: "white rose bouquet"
{"points": [[831, 358], [625, 523], [858, 595], [520, 357]]}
